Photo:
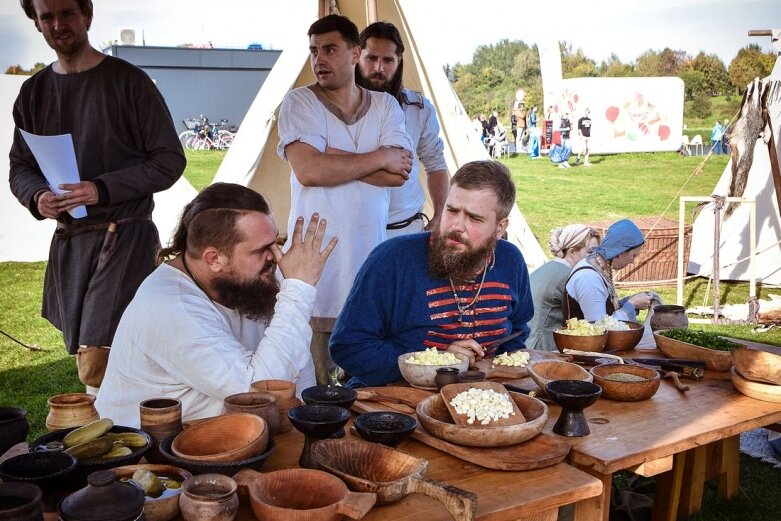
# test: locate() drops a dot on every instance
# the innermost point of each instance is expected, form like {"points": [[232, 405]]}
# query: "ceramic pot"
{"points": [[209, 497], [103, 499], [669, 317], [445, 376], [13, 427], [161, 418], [70, 410], [471, 377], [259, 404], [20, 502]]}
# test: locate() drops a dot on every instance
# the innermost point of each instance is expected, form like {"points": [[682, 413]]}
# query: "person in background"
{"points": [[346, 146], [590, 292], [549, 113], [584, 133], [569, 245], [533, 117], [716, 135], [380, 68], [456, 288], [126, 150], [565, 126]]}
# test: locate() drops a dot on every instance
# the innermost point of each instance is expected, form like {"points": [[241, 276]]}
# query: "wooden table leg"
{"points": [[596, 508], [729, 475], [693, 482], [668, 490]]}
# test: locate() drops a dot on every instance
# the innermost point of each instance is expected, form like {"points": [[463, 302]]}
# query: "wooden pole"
{"points": [[371, 10], [716, 240]]}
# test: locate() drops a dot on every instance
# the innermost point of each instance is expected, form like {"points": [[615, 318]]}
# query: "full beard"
{"points": [[254, 299], [447, 262]]}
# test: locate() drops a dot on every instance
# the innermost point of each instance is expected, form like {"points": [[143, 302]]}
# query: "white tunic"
{"points": [[357, 212], [175, 342]]}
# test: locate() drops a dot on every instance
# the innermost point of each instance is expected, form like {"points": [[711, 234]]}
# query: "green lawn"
{"points": [[202, 165]]}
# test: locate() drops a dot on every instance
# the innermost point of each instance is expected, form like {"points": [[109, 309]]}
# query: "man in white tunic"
{"points": [[381, 68], [346, 146], [212, 320]]}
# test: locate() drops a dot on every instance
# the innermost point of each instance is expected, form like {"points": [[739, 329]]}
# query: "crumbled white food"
{"points": [[581, 328], [611, 324], [433, 356], [515, 359], [484, 405]]}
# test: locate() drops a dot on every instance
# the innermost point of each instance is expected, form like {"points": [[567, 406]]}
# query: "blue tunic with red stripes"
{"points": [[396, 307]]}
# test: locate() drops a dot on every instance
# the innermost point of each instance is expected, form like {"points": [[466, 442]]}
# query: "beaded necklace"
{"points": [[463, 309]]}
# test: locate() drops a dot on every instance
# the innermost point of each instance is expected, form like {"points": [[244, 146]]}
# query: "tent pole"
{"points": [[771, 148], [371, 10], [719, 203], [679, 278]]}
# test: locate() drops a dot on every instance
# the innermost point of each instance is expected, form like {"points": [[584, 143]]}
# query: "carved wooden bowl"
{"points": [[591, 343], [545, 371], [759, 366], [232, 437], [625, 340], [421, 375], [629, 391]]}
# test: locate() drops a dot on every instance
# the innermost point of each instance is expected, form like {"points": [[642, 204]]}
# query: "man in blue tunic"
{"points": [[456, 288]]}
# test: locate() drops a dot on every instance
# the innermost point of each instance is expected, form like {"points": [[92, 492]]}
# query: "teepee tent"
{"points": [[734, 244], [252, 159]]}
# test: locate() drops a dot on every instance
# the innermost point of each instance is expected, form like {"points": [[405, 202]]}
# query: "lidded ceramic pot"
{"points": [[103, 499]]}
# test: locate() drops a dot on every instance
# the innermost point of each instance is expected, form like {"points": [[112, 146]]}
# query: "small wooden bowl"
{"points": [[759, 366], [207, 467], [714, 360], [624, 340], [282, 389], [422, 376], [232, 437], [434, 416], [165, 507], [545, 371], [756, 390], [626, 391], [591, 343]]}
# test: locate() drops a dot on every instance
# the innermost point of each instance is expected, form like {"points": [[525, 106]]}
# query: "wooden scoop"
{"points": [[449, 392]]}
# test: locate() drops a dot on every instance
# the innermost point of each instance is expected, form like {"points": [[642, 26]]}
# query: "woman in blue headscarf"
{"points": [[590, 293]]}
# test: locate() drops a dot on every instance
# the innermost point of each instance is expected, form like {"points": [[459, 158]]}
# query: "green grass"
{"points": [[202, 165]]}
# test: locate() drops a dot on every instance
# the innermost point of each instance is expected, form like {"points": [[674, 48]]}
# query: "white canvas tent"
{"points": [[22, 237], [252, 159], [734, 242]]}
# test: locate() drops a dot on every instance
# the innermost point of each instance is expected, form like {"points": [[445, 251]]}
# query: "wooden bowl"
{"points": [[232, 437], [422, 375], [756, 390], [208, 467], [282, 389], [591, 343], [625, 340], [302, 495], [759, 366], [165, 507], [434, 416], [545, 371], [714, 360], [626, 391]]}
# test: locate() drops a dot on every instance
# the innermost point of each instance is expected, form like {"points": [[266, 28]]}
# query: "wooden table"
{"points": [[649, 437]]}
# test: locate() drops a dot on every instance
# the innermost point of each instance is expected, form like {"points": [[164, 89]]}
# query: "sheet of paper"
{"points": [[57, 160]]}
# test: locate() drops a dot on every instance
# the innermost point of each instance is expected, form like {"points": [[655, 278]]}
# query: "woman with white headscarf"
{"points": [[590, 293], [569, 245]]}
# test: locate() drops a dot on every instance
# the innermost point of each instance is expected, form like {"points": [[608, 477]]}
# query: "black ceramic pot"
{"points": [[103, 499], [51, 471], [20, 502], [388, 428], [573, 396], [13, 427]]}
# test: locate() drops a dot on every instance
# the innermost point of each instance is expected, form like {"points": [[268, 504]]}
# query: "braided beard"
{"points": [[444, 261]]}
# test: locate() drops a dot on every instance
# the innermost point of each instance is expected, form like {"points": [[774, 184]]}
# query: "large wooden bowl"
{"points": [[592, 343], [714, 360], [626, 391], [759, 366], [165, 507], [232, 437], [283, 390], [625, 340], [434, 416], [545, 371], [756, 390], [421, 375]]}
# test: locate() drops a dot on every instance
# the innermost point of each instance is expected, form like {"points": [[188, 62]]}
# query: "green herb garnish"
{"points": [[701, 339]]}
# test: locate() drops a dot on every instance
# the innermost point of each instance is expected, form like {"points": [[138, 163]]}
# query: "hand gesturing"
{"points": [[304, 259]]}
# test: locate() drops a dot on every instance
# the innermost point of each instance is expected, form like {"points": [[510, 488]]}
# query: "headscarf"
{"points": [[620, 237], [567, 237]]}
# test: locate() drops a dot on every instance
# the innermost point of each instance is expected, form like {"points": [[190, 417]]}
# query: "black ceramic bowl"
{"points": [[318, 420], [40, 468], [212, 467], [87, 466], [13, 427], [388, 428], [329, 395]]}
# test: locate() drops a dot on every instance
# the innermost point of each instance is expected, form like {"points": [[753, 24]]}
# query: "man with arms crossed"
{"points": [[214, 318], [126, 150], [381, 68], [455, 289], [346, 146]]}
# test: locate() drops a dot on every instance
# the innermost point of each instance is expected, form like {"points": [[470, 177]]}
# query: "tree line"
{"points": [[490, 80]]}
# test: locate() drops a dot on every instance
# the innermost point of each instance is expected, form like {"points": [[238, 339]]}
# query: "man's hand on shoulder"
{"points": [[305, 259]]}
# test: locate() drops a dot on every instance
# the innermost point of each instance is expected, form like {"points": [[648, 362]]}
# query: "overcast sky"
{"points": [[451, 29]]}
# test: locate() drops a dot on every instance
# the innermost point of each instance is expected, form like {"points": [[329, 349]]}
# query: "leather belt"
{"points": [[406, 222], [66, 231]]}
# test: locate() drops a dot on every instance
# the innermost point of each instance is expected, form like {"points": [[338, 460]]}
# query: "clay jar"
{"points": [[471, 377], [445, 376], [161, 418], [20, 502], [209, 497], [13, 427], [259, 404], [70, 410], [669, 317]]}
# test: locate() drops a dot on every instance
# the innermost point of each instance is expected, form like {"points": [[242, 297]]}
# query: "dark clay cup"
{"points": [[388, 428], [13, 427], [573, 396], [20, 502], [471, 376], [445, 376]]}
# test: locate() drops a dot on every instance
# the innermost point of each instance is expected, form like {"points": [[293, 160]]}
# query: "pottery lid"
{"points": [[103, 499]]}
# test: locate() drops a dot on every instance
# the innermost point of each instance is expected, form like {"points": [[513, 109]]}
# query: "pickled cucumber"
{"points": [[149, 481], [87, 432], [117, 452], [91, 449], [128, 439]]}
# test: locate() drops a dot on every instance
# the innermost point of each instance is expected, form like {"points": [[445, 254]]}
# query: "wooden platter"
{"points": [[758, 366], [541, 451], [492, 371], [449, 392], [756, 390], [714, 360]]}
